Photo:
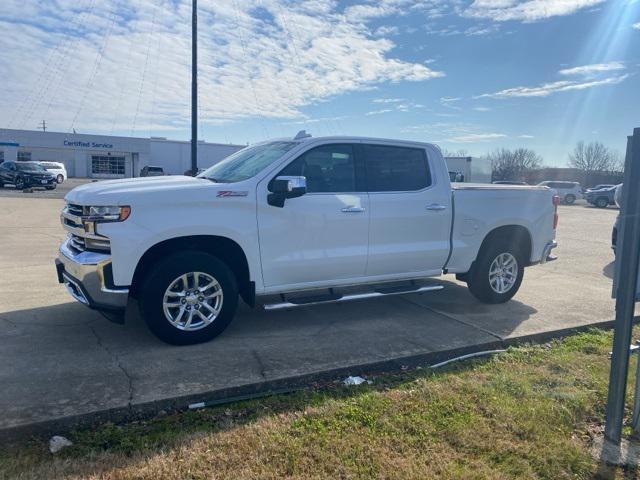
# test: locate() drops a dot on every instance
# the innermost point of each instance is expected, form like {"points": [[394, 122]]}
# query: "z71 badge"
{"points": [[232, 193]]}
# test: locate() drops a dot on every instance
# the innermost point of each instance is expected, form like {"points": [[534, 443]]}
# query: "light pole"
{"points": [[194, 88]]}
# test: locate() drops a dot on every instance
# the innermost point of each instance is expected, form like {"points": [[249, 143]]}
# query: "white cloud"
{"points": [[481, 109], [527, 10], [636, 26], [525, 136], [445, 132], [553, 87], [388, 100], [379, 112], [595, 68], [476, 137], [265, 61]]}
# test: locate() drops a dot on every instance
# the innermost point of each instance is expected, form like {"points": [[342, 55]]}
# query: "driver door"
{"points": [[322, 236]]}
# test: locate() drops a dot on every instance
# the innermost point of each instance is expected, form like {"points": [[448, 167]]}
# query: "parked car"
{"points": [[56, 168], [26, 174], [297, 222], [189, 173], [617, 198], [598, 187], [601, 198], [508, 182], [150, 171], [568, 192]]}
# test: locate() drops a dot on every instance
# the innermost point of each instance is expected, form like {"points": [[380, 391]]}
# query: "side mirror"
{"points": [[286, 187]]}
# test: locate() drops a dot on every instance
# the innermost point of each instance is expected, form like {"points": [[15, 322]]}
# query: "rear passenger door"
{"points": [[410, 211]]}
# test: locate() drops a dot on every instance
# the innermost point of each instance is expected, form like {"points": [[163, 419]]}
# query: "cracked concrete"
{"points": [[61, 363], [116, 360]]}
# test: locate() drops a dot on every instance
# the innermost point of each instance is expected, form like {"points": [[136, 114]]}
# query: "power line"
{"points": [[96, 68], [144, 70]]}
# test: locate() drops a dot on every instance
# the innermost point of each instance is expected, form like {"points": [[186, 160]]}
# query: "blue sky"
{"points": [[467, 75]]}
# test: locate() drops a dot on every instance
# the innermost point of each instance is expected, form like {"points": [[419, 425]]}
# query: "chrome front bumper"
{"points": [[546, 253], [88, 278]]}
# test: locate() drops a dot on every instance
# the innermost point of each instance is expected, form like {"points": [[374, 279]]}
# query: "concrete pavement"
{"points": [[61, 363]]}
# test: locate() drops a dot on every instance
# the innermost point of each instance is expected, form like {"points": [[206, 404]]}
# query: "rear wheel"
{"points": [[602, 202], [60, 178], [20, 183], [189, 297], [497, 273], [570, 199]]}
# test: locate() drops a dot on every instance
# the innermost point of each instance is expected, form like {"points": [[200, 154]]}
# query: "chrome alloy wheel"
{"points": [[503, 273], [192, 301]]}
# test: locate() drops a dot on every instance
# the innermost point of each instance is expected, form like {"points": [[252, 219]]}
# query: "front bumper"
{"points": [[88, 278], [38, 182]]}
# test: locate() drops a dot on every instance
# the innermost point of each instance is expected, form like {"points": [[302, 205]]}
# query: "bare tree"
{"points": [[456, 153], [513, 164], [594, 157]]}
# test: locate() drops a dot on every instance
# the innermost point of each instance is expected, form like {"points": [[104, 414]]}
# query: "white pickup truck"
{"points": [[296, 222]]}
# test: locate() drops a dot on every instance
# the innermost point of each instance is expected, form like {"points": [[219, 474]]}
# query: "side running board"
{"points": [[299, 302]]}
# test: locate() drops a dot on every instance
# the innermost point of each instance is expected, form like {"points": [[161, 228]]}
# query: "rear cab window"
{"points": [[396, 169]]}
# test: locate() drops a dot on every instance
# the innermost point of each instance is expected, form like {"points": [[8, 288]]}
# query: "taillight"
{"points": [[556, 201]]}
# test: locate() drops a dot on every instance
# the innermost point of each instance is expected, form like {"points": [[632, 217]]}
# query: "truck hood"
{"points": [[130, 190]]}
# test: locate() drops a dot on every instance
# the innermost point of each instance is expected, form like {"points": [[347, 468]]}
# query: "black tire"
{"points": [[602, 202], [478, 278], [20, 184], [60, 178], [160, 278], [570, 199]]}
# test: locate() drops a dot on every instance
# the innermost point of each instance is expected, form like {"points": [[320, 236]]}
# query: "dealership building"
{"points": [[102, 156]]}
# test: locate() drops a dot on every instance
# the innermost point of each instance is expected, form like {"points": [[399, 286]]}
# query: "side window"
{"points": [[329, 168], [396, 169]]}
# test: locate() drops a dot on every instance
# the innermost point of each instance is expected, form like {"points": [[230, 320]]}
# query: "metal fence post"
{"points": [[628, 254]]}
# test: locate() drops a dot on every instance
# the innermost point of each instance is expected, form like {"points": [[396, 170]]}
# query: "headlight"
{"points": [[108, 214]]}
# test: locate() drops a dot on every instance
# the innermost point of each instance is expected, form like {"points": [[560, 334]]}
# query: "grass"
{"points": [[528, 413]]}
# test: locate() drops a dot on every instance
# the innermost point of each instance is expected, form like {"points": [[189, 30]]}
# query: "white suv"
{"points": [[568, 192], [56, 168]]}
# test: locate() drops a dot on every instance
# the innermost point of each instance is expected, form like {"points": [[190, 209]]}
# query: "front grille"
{"points": [[74, 209], [77, 243], [80, 239]]}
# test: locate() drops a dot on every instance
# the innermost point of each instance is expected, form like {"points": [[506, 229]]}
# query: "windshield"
{"points": [[247, 162], [30, 167]]}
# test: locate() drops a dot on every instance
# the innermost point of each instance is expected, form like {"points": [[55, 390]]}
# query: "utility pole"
{"points": [[626, 286], [43, 126], [194, 88]]}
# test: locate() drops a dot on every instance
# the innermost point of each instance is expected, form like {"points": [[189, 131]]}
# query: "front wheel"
{"points": [[602, 202], [60, 178], [20, 183], [570, 199], [497, 273], [188, 298]]}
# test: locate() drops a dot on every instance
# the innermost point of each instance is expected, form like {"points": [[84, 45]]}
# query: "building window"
{"points": [[107, 165], [24, 156]]}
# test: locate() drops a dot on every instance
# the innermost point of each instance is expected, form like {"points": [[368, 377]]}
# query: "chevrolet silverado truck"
{"points": [[296, 222]]}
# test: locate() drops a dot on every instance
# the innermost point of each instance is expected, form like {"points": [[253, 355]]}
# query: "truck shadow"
{"points": [[400, 316]]}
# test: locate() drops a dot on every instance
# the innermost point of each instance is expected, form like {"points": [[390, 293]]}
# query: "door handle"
{"points": [[436, 207], [352, 209]]}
